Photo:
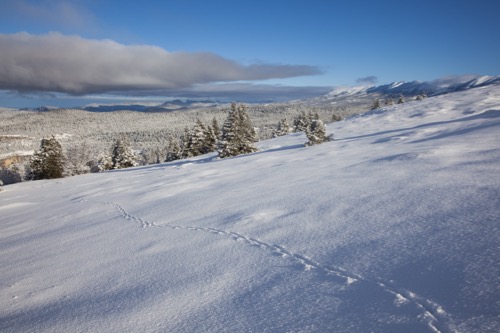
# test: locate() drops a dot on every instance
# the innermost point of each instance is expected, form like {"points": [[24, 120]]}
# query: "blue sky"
{"points": [[74, 52]]}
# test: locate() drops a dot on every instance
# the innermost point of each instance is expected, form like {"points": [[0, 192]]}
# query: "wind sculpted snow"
{"points": [[392, 227]]}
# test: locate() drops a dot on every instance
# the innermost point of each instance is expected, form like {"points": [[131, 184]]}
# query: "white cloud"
{"points": [[74, 65]]}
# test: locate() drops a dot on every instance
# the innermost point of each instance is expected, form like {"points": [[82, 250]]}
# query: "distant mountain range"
{"points": [[432, 89], [173, 105], [338, 96], [362, 94]]}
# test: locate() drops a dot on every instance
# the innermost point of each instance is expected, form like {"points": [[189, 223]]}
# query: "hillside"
{"points": [[149, 125], [392, 227], [147, 131]]}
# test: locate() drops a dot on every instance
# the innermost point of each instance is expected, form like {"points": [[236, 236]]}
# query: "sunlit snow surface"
{"points": [[392, 227]]}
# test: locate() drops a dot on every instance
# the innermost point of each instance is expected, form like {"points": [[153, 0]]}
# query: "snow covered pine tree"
{"points": [[316, 132], [283, 128], [238, 134], [300, 123], [200, 140], [174, 151], [211, 138], [122, 155], [48, 162], [216, 128]]}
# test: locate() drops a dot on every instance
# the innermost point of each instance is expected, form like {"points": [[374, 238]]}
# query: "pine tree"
{"points": [[238, 134], [282, 129], [195, 142], [301, 122], [228, 135], [211, 139], [48, 162], [185, 138], [157, 154], [316, 133], [401, 99], [216, 128], [174, 150], [312, 116], [376, 104], [122, 155], [198, 138]]}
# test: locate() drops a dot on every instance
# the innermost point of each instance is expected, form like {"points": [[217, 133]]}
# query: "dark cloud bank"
{"points": [[369, 80], [78, 66]]}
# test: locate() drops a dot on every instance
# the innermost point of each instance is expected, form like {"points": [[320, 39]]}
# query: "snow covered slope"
{"points": [[393, 227]]}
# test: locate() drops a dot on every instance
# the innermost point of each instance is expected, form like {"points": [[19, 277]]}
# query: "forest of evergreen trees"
{"points": [[93, 142]]}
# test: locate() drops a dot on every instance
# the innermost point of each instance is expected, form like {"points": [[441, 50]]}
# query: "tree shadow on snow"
{"points": [[212, 157]]}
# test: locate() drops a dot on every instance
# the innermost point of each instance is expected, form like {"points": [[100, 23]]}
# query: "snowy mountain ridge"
{"points": [[392, 227], [414, 88]]}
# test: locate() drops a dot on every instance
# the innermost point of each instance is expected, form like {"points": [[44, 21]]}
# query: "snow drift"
{"points": [[393, 227]]}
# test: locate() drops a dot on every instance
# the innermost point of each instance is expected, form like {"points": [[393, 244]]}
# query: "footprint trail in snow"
{"points": [[432, 313]]}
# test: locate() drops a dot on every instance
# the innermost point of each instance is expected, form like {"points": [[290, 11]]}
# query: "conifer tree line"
{"points": [[236, 136], [390, 101], [147, 131]]}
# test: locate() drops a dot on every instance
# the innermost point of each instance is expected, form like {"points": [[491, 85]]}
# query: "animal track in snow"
{"points": [[434, 315]]}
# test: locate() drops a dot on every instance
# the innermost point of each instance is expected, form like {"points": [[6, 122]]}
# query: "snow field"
{"points": [[393, 227]]}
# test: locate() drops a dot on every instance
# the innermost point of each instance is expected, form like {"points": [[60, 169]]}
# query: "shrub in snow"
{"points": [[336, 117], [15, 173], [48, 162], [78, 159], [238, 134], [102, 164], [421, 96], [401, 99], [158, 154]]}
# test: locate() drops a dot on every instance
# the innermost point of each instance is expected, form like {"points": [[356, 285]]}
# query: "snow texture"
{"points": [[392, 227]]}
